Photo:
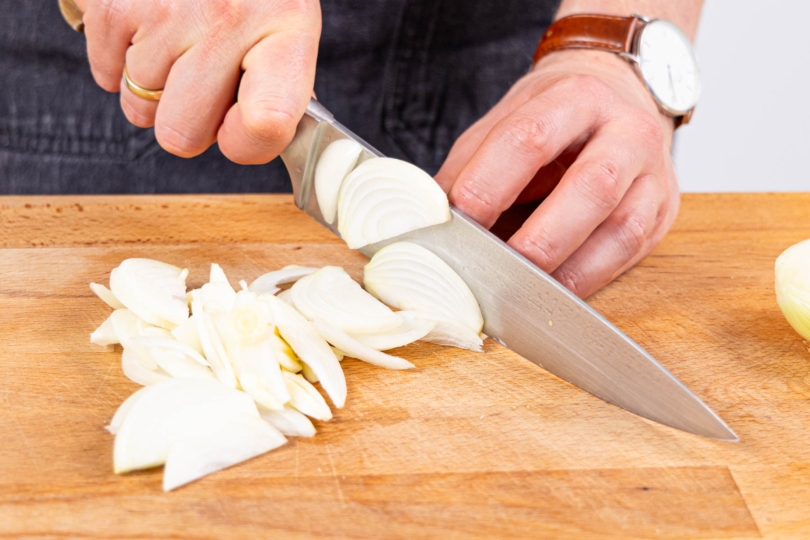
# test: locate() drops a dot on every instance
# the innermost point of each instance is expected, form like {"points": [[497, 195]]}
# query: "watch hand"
{"points": [[671, 82]]}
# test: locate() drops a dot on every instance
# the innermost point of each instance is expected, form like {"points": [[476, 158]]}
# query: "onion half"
{"points": [[385, 197]]}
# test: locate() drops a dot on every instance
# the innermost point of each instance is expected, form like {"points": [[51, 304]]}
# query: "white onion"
{"points": [[259, 373], [408, 332], [410, 277], [186, 334], [154, 291], [331, 294], [106, 296], [123, 409], [127, 326], [310, 347], [165, 343], [207, 452], [178, 365], [305, 397], [792, 280], [105, 335], [335, 162], [268, 283], [286, 296], [385, 197], [355, 349], [133, 369], [285, 356], [173, 411], [217, 274], [446, 332], [212, 346], [288, 421]]}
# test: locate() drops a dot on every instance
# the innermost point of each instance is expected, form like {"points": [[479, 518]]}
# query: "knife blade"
{"points": [[524, 308]]}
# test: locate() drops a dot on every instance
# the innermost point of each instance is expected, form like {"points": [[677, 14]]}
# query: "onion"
{"points": [[305, 398], [207, 452], [212, 346], [171, 412], [217, 274], [410, 277], [105, 335], [123, 409], [285, 356], [336, 161], [127, 326], [310, 347], [408, 332], [106, 296], [186, 334], [332, 295], [385, 197], [355, 349], [286, 296], [268, 283], [165, 343], [154, 291], [445, 331], [259, 373], [178, 365], [288, 421], [792, 278], [134, 370]]}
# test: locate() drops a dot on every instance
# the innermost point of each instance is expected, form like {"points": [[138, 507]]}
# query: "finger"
{"points": [[109, 28], [624, 238], [589, 191], [199, 90], [519, 145], [273, 95], [148, 64]]}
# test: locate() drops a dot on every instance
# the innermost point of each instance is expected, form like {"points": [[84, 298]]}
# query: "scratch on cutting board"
{"points": [[335, 475], [113, 362]]}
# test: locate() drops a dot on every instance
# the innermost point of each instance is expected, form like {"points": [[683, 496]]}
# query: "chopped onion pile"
{"points": [[228, 373]]}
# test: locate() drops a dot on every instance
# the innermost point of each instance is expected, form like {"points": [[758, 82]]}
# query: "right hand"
{"points": [[196, 51]]}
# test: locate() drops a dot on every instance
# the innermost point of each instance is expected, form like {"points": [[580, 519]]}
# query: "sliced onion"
{"points": [[207, 452], [165, 343], [174, 411], [186, 334], [121, 413], [446, 331], [335, 163], [153, 290], [310, 347], [212, 346], [134, 370], [217, 274], [331, 294], [355, 349], [308, 374], [384, 197], [127, 326], [305, 397], [408, 332], [105, 335], [106, 296], [178, 365], [410, 277], [217, 297], [259, 373], [268, 283], [286, 296], [285, 355], [288, 421]]}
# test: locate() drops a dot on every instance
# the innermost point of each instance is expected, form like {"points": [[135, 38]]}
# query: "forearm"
{"points": [[684, 13]]}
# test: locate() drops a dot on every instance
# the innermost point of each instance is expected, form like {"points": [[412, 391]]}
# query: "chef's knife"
{"points": [[523, 307]]}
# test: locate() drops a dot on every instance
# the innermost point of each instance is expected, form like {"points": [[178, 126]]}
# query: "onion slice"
{"points": [[335, 163], [154, 291], [410, 277], [121, 413], [408, 332], [186, 334], [268, 283], [446, 332], [106, 296], [386, 197], [310, 347], [288, 421], [355, 349], [105, 335], [331, 294], [212, 345], [166, 343], [207, 452], [305, 397], [134, 370]]}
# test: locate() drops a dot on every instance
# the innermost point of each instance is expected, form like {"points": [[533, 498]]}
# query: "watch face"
{"points": [[668, 66]]}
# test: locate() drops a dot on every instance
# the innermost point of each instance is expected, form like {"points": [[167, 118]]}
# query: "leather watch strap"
{"points": [[603, 32]]}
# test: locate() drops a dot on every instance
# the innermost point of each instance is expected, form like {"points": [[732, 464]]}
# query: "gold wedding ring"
{"points": [[141, 92]]}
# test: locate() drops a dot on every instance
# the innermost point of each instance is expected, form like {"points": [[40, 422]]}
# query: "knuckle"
{"points": [[529, 134], [540, 250], [226, 13], [269, 123], [633, 228], [479, 204], [177, 142], [572, 279], [600, 182], [113, 13], [649, 130]]}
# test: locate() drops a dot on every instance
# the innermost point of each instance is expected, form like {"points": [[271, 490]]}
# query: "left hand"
{"points": [[583, 131]]}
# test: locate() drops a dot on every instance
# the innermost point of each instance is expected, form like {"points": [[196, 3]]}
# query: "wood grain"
{"points": [[465, 446]]}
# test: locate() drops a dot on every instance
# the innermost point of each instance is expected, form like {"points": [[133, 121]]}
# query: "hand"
{"points": [[583, 131], [196, 50]]}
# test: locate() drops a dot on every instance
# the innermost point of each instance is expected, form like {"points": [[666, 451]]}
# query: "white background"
{"points": [[751, 128]]}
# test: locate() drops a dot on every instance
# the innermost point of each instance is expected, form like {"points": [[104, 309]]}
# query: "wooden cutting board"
{"points": [[466, 446]]}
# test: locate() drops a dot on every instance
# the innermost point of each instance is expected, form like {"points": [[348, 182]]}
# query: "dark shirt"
{"points": [[409, 76]]}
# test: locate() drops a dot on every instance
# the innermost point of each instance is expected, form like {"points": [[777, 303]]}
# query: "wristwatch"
{"points": [[659, 50]]}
